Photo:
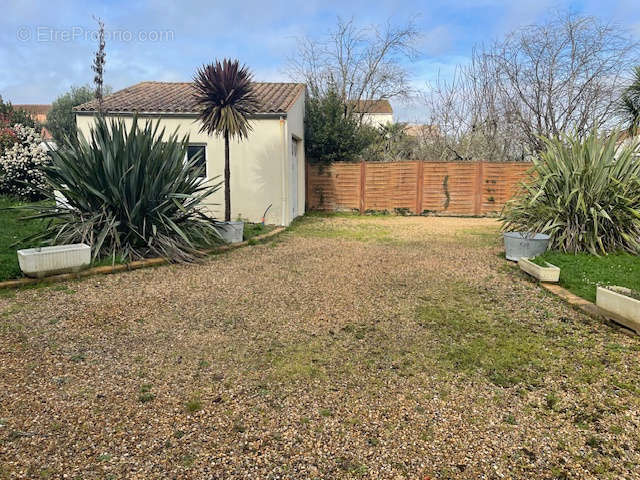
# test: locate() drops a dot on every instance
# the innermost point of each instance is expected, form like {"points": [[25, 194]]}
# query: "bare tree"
{"points": [[360, 63], [98, 64], [468, 117], [565, 75]]}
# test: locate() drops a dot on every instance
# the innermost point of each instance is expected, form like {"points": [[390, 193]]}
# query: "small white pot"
{"points": [[549, 273], [619, 306], [231, 232], [40, 262]]}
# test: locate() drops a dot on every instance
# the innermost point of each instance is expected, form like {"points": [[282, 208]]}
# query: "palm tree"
{"points": [[630, 103], [227, 100]]}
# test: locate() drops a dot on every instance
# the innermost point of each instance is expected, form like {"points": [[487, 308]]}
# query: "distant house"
{"points": [[267, 169], [374, 112], [424, 133], [39, 113]]}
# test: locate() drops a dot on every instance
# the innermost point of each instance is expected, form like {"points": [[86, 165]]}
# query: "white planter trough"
{"points": [[231, 232], [619, 304], [549, 273], [61, 200], [40, 262]]}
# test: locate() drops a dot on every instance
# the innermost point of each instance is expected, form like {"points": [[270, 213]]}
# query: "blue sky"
{"points": [[47, 46]]}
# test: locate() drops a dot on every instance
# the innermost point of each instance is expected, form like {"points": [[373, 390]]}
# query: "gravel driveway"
{"points": [[351, 347]]}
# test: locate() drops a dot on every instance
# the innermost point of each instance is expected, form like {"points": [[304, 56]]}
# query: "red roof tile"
{"points": [[373, 106], [178, 97], [34, 109]]}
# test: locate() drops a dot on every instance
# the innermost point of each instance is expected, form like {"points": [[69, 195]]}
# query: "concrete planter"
{"points": [[40, 262], [618, 305], [231, 232], [523, 244], [550, 273]]}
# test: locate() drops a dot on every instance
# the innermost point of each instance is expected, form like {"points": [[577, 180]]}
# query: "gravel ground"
{"points": [[351, 347]]}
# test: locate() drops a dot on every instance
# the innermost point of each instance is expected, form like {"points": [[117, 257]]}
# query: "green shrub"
{"points": [[584, 194], [130, 193], [61, 121], [392, 143], [331, 134]]}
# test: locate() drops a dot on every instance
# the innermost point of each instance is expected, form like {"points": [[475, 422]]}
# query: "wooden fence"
{"points": [[453, 188]]}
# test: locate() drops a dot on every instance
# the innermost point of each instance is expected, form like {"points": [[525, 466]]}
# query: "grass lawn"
{"points": [[12, 230], [581, 273], [373, 347], [254, 229]]}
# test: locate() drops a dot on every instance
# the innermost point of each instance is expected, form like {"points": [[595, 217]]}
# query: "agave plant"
{"points": [[129, 193], [226, 99], [584, 194]]}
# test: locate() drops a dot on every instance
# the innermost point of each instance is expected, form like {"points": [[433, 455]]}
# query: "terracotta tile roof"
{"points": [[373, 106], [177, 97], [34, 109], [422, 130]]}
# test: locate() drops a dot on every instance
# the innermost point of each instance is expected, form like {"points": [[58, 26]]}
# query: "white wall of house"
{"points": [[377, 119], [295, 141], [261, 171]]}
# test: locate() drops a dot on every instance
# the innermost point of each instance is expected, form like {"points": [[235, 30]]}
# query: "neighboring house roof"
{"points": [[373, 106], [34, 109], [178, 97], [422, 130]]}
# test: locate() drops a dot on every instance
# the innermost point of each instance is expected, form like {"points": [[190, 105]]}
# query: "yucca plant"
{"points": [[585, 194], [227, 100], [130, 193]]}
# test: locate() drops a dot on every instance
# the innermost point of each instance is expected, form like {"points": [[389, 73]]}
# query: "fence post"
{"points": [[419, 187], [477, 187], [363, 179]]}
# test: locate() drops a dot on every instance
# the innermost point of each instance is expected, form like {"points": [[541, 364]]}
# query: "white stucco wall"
{"points": [[295, 129], [256, 163], [376, 119]]}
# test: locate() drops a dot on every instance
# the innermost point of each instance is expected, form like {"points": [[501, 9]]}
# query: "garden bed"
{"points": [[13, 229], [582, 273]]}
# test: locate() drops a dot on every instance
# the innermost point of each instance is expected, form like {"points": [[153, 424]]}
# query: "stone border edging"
{"points": [[572, 299], [585, 306], [136, 265]]}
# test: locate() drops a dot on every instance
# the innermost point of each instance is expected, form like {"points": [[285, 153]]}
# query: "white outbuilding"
{"points": [[267, 169]]}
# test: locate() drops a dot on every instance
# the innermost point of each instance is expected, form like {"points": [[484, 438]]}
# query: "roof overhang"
{"points": [[192, 115]]}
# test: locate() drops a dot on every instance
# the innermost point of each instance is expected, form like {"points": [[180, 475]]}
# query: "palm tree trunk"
{"points": [[227, 179]]}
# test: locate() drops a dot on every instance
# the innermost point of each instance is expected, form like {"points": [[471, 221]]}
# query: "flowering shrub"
{"points": [[21, 165]]}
